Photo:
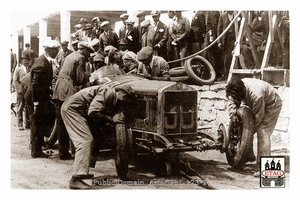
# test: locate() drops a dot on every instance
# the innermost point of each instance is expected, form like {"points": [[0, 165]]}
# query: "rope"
{"points": [[207, 47]]}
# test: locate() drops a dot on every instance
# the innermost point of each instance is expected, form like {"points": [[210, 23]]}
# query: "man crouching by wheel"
{"points": [[265, 104], [102, 103]]}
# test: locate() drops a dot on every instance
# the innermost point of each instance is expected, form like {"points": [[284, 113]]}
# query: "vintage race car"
{"points": [[165, 122]]}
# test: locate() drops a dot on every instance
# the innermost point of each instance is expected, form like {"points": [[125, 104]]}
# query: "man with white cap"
{"points": [[122, 30], [97, 30], [43, 111], [154, 67], [160, 36], [108, 37], [131, 36], [71, 77]]}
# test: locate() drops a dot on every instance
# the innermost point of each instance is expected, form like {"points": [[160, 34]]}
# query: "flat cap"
{"points": [[127, 89], [155, 13], [75, 42], [108, 48], [145, 23], [112, 51], [130, 21], [51, 44], [104, 23], [82, 20], [77, 26], [140, 14], [88, 26], [99, 58], [85, 45], [94, 42], [95, 18], [65, 42], [124, 16], [25, 56], [144, 53]]}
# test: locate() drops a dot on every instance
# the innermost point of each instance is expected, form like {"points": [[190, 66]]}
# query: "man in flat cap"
{"points": [[75, 44], [160, 35], [71, 77], [179, 33], [97, 30], [154, 67], [64, 52], [18, 74], [32, 54], [41, 83], [141, 17], [85, 114], [122, 30], [81, 32], [88, 33], [108, 37], [144, 41], [131, 36]]}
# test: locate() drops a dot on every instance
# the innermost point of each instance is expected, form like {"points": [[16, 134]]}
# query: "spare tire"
{"points": [[200, 70], [177, 71]]}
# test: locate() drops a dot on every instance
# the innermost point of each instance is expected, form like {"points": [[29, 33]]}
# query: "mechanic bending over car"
{"points": [[265, 103], [99, 105], [154, 67]]}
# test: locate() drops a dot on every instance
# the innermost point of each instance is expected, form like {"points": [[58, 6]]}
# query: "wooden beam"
{"points": [[269, 43]]}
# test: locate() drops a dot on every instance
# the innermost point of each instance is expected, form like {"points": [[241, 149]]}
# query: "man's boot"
{"points": [[79, 184]]}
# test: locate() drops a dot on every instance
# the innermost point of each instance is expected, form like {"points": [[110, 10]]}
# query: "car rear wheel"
{"points": [[240, 138]]}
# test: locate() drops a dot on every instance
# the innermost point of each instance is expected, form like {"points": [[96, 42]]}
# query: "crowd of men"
{"points": [[57, 85]]}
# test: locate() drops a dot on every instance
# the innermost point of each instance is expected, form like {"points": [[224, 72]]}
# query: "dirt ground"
{"points": [[52, 173]]}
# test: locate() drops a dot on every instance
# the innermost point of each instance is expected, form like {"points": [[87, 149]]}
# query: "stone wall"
{"points": [[212, 112]]}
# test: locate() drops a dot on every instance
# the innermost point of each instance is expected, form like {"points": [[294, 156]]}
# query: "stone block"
{"points": [[282, 124], [220, 104], [209, 114], [206, 103]]}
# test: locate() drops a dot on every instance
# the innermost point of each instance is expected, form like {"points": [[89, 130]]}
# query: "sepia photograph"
{"points": [[157, 98]]}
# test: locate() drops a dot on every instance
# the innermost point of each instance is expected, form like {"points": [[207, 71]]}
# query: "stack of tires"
{"points": [[197, 69]]}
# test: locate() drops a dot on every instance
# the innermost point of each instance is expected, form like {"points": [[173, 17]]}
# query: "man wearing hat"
{"points": [[122, 30], [108, 37], [72, 76], [64, 52], [43, 117], [88, 33], [75, 44], [154, 67], [198, 31], [92, 107], [81, 32], [141, 17], [19, 73], [97, 30], [160, 36], [144, 41], [32, 54], [131, 36], [179, 33]]}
